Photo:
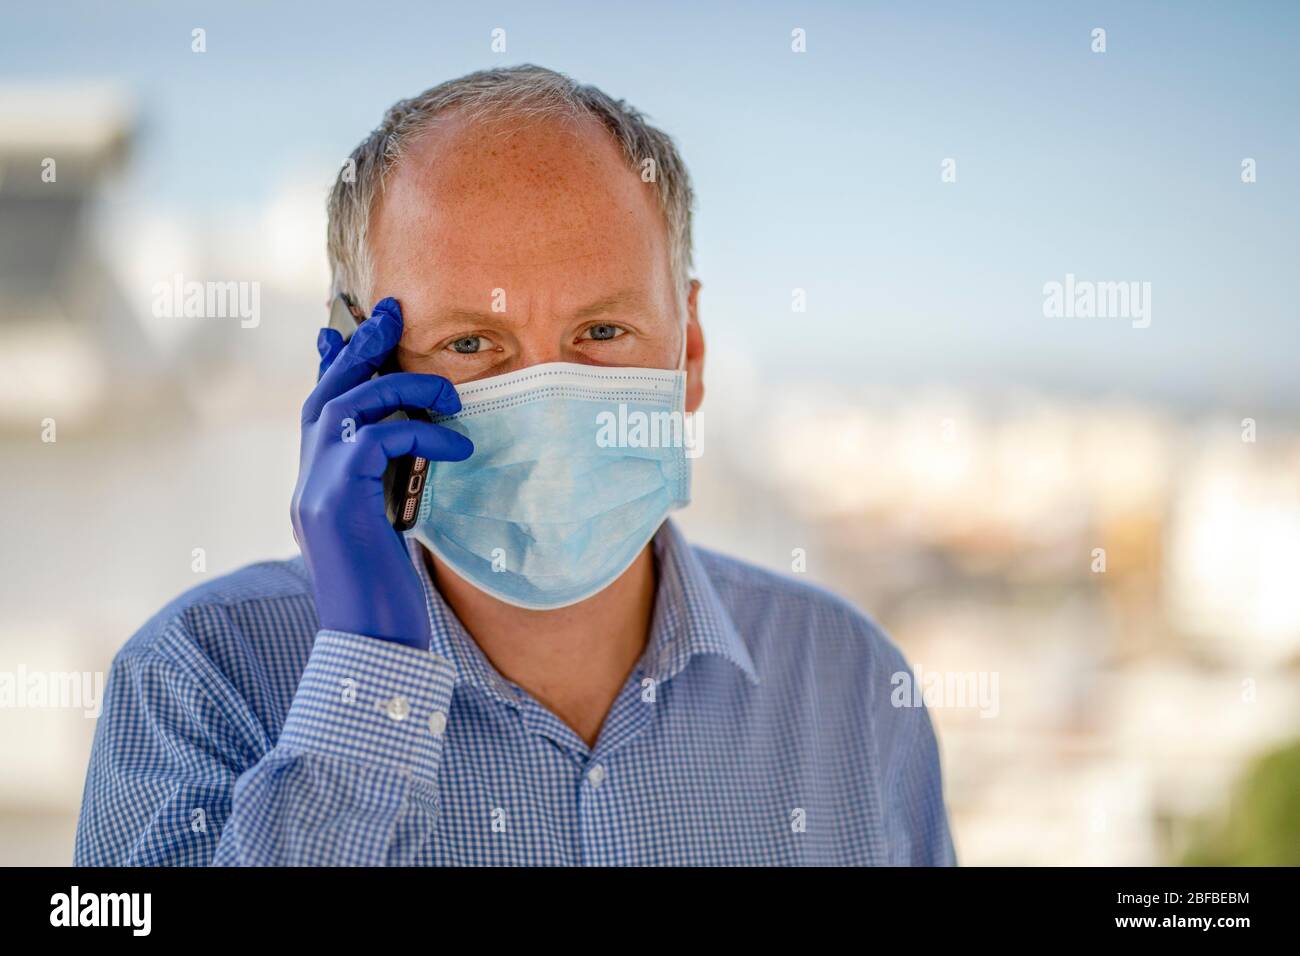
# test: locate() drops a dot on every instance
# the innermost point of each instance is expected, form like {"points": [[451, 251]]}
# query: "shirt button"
{"points": [[398, 708], [596, 775], [437, 723]]}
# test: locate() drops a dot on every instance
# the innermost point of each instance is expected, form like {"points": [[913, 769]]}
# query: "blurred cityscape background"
{"points": [[1103, 518]]}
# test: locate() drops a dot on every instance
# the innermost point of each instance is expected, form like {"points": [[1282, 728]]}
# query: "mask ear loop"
{"points": [[686, 325], [688, 429], [681, 364]]}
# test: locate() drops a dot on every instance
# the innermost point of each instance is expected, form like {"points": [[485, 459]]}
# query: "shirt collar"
{"points": [[689, 618]]}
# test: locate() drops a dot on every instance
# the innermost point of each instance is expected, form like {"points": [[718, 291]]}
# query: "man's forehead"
{"points": [[500, 191]]}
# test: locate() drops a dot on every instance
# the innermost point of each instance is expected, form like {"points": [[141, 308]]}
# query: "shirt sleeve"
{"points": [[914, 812], [181, 773], [919, 831]]}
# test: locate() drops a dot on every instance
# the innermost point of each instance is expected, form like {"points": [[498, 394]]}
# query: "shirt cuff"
{"points": [[372, 701]]}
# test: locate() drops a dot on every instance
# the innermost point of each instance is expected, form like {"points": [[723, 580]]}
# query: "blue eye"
{"points": [[468, 345], [602, 333]]}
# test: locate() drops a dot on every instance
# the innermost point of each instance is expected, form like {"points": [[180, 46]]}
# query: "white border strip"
{"points": [[602, 378]]}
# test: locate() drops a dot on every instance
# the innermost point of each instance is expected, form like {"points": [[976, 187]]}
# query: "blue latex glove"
{"points": [[362, 575]]}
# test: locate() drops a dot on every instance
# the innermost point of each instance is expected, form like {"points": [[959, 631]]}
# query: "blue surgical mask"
{"points": [[574, 469]]}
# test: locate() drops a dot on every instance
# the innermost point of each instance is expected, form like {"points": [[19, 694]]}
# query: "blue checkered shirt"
{"points": [[757, 728]]}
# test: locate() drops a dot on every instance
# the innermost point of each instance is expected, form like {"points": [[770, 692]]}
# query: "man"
{"points": [[542, 671]]}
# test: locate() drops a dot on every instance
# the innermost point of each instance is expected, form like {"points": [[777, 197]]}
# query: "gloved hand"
{"points": [[361, 572]]}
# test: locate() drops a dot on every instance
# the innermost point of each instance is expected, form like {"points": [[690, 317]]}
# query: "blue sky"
{"points": [[821, 170]]}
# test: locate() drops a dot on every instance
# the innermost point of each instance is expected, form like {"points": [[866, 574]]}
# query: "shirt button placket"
{"points": [[592, 813]]}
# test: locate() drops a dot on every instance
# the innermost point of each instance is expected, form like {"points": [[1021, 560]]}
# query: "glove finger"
{"points": [[378, 398], [359, 359], [378, 444], [329, 343]]}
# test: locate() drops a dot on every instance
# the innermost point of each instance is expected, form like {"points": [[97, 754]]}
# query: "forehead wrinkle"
{"points": [[489, 263]]}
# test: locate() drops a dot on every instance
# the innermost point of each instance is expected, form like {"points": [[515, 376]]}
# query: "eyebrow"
{"points": [[622, 299]]}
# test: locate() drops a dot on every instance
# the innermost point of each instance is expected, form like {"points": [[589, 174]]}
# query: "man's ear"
{"points": [[694, 350]]}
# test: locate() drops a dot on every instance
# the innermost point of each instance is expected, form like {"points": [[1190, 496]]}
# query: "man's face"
{"points": [[513, 243]]}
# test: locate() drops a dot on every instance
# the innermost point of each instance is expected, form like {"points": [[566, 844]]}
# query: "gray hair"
{"points": [[526, 91]]}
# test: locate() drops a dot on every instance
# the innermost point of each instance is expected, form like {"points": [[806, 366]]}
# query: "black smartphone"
{"points": [[404, 477]]}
